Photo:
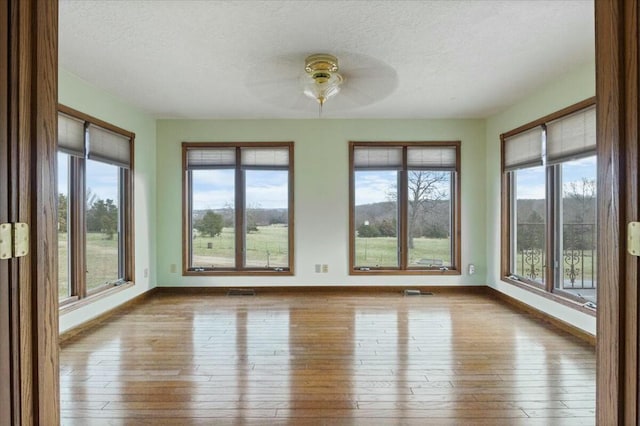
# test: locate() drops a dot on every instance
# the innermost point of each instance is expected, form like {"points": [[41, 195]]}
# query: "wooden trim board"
{"points": [[68, 335], [543, 316]]}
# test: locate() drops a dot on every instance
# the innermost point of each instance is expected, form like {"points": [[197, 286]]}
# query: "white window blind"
{"points": [[71, 135], [523, 150], [207, 158], [432, 158], [573, 136], [371, 157], [272, 157], [109, 147]]}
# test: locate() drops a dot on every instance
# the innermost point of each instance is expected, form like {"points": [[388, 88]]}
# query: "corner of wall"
{"points": [[573, 87], [84, 97]]}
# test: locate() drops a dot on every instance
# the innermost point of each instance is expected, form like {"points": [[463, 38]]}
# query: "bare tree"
{"points": [[579, 230], [583, 194], [425, 190]]}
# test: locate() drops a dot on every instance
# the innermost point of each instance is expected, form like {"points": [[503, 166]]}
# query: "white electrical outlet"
{"points": [[325, 268], [146, 272], [472, 269], [318, 268]]}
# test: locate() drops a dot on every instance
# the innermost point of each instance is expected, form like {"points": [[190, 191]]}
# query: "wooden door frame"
{"points": [[29, 90], [31, 119], [5, 352], [617, 76]]}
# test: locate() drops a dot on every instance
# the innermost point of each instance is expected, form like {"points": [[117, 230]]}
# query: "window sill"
{"points": [[72, 304], [551, 296], [435, 272], [245, 273]]}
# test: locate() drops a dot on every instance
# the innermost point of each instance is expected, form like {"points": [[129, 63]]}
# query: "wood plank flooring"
{"points": [[326, 358]]}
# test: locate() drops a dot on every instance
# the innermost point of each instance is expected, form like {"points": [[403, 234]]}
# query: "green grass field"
{"points": [[274, 241], [382, 251], [102, 262], [267, 247]]}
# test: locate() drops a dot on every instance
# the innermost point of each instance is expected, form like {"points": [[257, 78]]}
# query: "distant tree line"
{"points": [[578, 218], [428, 203], [211, 221], [101, 215]]}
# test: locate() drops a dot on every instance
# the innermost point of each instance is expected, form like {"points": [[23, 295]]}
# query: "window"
{"points": [[95, 206], [238, 204], [549, 204], [405, 216]]}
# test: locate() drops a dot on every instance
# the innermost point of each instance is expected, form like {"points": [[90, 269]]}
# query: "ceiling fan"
{"points": [[306, 82]]}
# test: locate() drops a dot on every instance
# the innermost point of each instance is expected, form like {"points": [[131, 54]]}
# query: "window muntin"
{"points": [[549, 204], [405, 207], [246, 189], [95, 167]]}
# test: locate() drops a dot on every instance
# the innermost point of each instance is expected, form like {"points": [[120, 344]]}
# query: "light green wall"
{"points": [[321, 189], [88, 99], [321, 193], [572, 88]]}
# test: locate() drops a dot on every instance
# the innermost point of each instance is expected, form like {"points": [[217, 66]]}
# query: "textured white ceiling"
{"points": [[243, 59]]}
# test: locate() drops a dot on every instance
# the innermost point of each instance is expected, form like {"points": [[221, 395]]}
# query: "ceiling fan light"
{"points": [[322, 80], [322, 88]]}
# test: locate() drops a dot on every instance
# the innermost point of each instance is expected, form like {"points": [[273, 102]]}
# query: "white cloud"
{"points": [[531, 192], [374, 187]]}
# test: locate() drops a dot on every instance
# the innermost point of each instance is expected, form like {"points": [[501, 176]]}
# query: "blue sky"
{"points": [[375, 186], [531, 181], [214, 189], [268, 189], [102, 179]]}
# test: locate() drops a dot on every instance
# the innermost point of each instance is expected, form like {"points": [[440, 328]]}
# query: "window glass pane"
{"points": [[103, 224], [213, 218], [376, 218], [64, 289], [578, 227], [529, 233], [429, 212], [266, 219]]}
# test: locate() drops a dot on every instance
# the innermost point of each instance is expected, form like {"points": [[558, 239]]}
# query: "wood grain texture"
{"points": [[23, 302], [617, 126], [6, 392], [326, 358], [30, 117], [44, 213], [631, 157]]}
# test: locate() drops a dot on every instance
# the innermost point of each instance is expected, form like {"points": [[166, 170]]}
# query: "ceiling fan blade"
{"points": [[278, 81]]}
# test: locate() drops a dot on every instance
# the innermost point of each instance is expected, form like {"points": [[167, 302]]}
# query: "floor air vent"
{"points": [[241, 292], [412, 292]]}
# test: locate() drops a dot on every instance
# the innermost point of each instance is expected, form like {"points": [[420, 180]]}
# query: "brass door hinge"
{"points": [[6, 241], [14, 240], [633, 238]]}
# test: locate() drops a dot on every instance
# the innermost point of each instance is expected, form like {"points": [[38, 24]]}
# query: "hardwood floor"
{"points": [[326, 358]]}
